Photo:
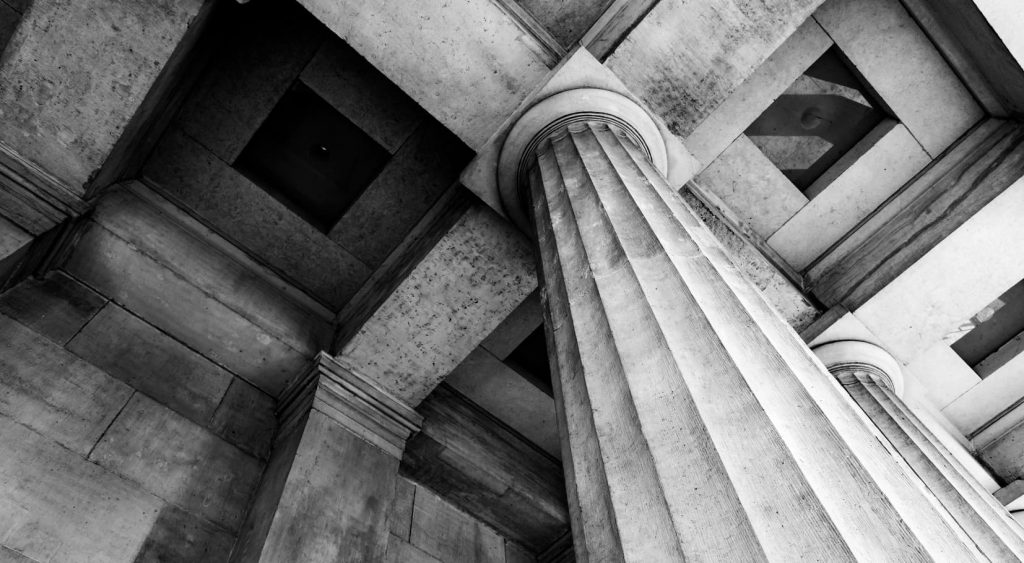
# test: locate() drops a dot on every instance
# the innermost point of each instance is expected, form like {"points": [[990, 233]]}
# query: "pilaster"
{"points": [[329, 485]]}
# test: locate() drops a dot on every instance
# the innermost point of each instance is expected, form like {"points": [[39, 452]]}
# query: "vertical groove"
{"points": [[854, 455]]}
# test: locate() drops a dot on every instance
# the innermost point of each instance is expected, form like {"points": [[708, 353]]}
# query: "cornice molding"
{"points": [[32, 198], [335, 389], [849, 361]]}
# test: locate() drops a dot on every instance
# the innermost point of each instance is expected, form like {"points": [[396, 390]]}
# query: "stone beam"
{"points": [[474, 277], [468, 63]]}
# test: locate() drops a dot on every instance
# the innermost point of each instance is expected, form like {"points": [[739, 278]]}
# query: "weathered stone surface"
{"points": [[56, 306], [166, 300], [265, 49], [145, 358], [74, 73], [179, 461], [686, 57], [179, 536], [56, 506], [488, 63], [54, 393], [9, 555], [472, 279], [423, 168], [448, 534], [519, 324], [166, 236], [515, 553], [335, 500], [752, 187], [401, 551], [245, 417], [362, 94], [252, 218]]}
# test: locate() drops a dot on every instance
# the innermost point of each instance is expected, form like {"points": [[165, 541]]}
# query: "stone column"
{"points": [[326, 493], [873, 378], [697, 425]]}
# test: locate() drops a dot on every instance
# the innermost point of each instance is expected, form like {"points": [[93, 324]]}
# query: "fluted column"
{"points": [[872, 378], [699, 426]]}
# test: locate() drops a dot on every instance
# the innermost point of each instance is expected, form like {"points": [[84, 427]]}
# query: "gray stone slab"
{"points": [[245, 417], [480, 271], [169, 240], [567, 21], [427, 164], [75, 72], [12, 238], [449, 534], [268, 45], [519, 324], [401, 551], [686, 57], [11, 556], [172, 304], [149, 360], [244, 213], [56, 306], [362, 94], [515, 553], [488, 63], [56, 506], [400, 515], [179, 536], [179, 462], [53, 392]]}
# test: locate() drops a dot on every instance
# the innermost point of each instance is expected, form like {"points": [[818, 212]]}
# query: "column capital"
{"points": [[335, 388], [850, 360], [553, 115]]}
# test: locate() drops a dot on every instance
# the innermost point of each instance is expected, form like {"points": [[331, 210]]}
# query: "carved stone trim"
{"points": [[851, 360], [32, 198], [337, 390]]}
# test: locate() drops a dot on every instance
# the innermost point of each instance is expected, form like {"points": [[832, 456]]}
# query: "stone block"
{"points": [[515, 553], [179, 462], [245, 417], [9, 555], [490, 65], [423, 168], [75, 73], [902, 65], [752, 187], [56, 506], [56, 306], [251, 217], [362, 94], [401, 551], [164, 299], [152, 362], [165, 234], [480, 271], [874, 170], [268, 46], [12, 237], [53, 392], [448, 534], [401, 509], [519, 324]]}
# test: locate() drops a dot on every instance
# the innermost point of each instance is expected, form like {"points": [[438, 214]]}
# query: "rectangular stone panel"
{"points": [[149, 360], [401, 551], [245, 417], [166, 300], [53, 392], [12, 237], [179, 461], [56, 306], [56, 506], [401, 508], [177, 535]]}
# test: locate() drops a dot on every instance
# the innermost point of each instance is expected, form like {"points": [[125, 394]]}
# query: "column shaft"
{"points": [[698, 424], [981, 516]]}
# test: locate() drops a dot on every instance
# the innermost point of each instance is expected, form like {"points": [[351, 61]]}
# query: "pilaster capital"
{"points": [[336, 389], [851, 360]]}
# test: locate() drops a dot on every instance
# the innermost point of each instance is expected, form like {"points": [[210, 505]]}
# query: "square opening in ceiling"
{"points": [[818, 119], [311, 158], [995, 335]]}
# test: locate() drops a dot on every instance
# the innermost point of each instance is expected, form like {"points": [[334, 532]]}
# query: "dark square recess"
{"points": [[817, 120], [311, 158], [992, 328]]}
